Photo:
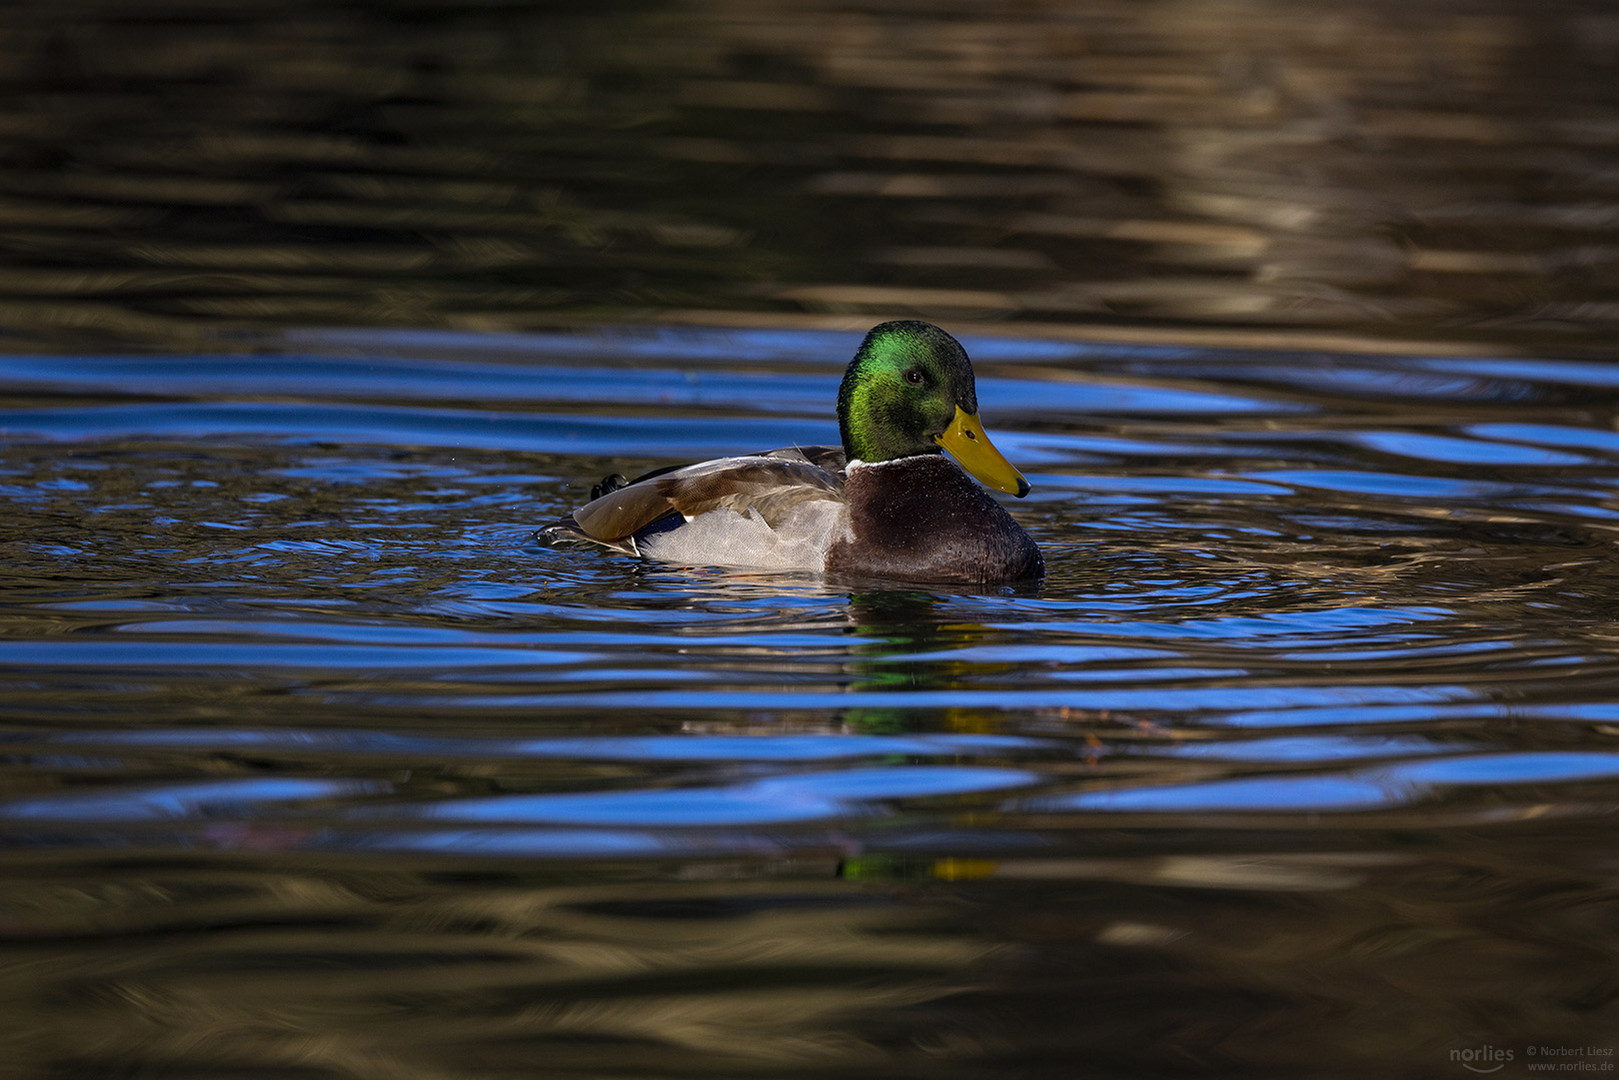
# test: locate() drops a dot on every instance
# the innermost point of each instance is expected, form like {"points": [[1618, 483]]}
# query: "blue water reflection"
{"points": [[1448, 449], [197, 800], [651, 748], [778, 800], [1386, 786], [295, 617], [1278, 794]]}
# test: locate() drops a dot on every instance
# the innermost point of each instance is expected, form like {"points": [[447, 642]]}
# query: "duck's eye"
{"points": [[914, 376]]}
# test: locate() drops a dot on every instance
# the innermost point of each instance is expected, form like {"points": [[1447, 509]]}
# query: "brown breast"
{"points": [[923, 519]]}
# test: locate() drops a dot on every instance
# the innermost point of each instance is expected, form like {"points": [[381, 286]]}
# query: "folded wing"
{"points": [[770, 485]]}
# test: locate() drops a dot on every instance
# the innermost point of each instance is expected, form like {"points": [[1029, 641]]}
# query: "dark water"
{"points": [[1302, 761], [1236, 169]]}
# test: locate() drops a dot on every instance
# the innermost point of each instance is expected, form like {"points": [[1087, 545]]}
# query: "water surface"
{"points": [[1302, 759], [314, 762], [1168, 170]]}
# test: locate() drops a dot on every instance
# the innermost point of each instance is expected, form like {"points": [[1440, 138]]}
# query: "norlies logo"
{"points": [[1483, 1059]]}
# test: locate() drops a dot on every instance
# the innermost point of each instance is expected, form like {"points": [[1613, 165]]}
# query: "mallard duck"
{"points": [[886, 504]]}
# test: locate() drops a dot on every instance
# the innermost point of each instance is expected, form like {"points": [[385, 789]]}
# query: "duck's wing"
{"points": [[830, 458], [769, 485]]}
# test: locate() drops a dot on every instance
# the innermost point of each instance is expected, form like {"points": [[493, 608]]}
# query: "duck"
{"points": [[886, 504]]}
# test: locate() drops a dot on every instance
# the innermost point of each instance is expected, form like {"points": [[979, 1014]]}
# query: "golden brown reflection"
{"points": [[359, 973], [1440, 171], [774, 968]]}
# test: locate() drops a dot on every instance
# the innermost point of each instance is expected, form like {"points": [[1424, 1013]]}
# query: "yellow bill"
{"points": [[967, 443]]}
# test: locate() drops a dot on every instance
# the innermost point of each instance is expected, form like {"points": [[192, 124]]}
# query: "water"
{"points": [[1301, 760], [1180, 171]]}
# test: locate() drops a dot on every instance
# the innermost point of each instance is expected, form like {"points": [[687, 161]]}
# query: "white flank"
{"points": [[730, 538]]}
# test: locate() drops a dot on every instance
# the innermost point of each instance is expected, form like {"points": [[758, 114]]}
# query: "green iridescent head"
{"points": [[901, 391], [909, 390]]}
